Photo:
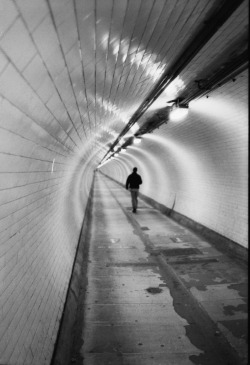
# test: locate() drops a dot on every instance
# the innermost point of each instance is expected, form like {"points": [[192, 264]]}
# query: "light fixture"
{"points": [[178, 111], [137, 140]]}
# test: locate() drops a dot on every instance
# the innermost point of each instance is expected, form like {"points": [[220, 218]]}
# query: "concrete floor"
{"points": [[156, 293]]}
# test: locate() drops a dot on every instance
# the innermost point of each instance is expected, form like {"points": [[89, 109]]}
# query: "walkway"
{"points": [[157, 294]]}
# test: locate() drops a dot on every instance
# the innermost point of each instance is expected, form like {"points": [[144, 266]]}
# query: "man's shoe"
{"points": [[134, 210]]}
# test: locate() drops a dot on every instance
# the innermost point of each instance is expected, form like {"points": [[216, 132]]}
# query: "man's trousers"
{"points": [[134, 197]]}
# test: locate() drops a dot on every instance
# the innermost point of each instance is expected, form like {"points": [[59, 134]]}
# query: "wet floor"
{"points": [[156, 293]]}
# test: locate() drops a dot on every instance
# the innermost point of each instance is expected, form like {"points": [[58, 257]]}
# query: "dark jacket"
{"points": [[133, 181]]}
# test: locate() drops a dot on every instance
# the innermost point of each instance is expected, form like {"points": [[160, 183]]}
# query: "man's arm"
{"points": [[127, 183]]}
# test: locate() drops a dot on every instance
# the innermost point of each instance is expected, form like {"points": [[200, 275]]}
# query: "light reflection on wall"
{"points": [[188, 171], [140, 59], [219, 108], [110, 107], [184, 156], [227, 122]]}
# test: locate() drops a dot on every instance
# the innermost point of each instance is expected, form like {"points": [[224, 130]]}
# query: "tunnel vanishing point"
{"points": [[89, 89]]}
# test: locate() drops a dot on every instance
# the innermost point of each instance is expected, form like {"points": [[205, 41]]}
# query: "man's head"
{"points": [[134, 169]]}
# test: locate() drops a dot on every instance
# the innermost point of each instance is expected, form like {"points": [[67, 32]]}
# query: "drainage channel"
{"points": [[201, 330]]}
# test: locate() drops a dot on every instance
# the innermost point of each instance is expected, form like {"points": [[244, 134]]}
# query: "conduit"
{"points": [[216, 19]]}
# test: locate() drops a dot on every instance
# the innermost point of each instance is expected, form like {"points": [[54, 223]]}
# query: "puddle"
{"points": [[154, 290]]}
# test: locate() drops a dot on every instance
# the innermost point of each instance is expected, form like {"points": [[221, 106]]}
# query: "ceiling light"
{"points": [[178, 112], [137, 140]]}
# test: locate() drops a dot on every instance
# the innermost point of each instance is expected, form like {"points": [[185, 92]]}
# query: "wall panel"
{"points": [[43, 195]]}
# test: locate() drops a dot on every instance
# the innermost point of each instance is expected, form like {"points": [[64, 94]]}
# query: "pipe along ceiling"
{"points": [[203, 33]]}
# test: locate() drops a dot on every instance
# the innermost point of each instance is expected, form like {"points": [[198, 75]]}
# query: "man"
{"points": [[132, 183]]}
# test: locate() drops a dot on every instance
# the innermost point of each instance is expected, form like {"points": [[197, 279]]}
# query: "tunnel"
{"points": [[89, 90]]}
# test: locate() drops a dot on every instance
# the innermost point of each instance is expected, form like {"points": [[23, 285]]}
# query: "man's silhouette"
{"points": [[132, 183]]}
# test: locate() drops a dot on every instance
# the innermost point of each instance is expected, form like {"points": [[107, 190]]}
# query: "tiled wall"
{"points": [[201, 163], [42, 202], [44, 185]]}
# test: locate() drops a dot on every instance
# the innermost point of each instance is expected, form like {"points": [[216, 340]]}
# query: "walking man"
{"points": [[132, 183]]}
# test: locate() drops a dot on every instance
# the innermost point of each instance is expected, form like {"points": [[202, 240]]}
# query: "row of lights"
{"points": [[136, 140], [111, 155], [177, 113]]}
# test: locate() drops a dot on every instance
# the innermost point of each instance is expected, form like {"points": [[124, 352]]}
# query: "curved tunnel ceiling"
{"points": [[91, 69]]}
